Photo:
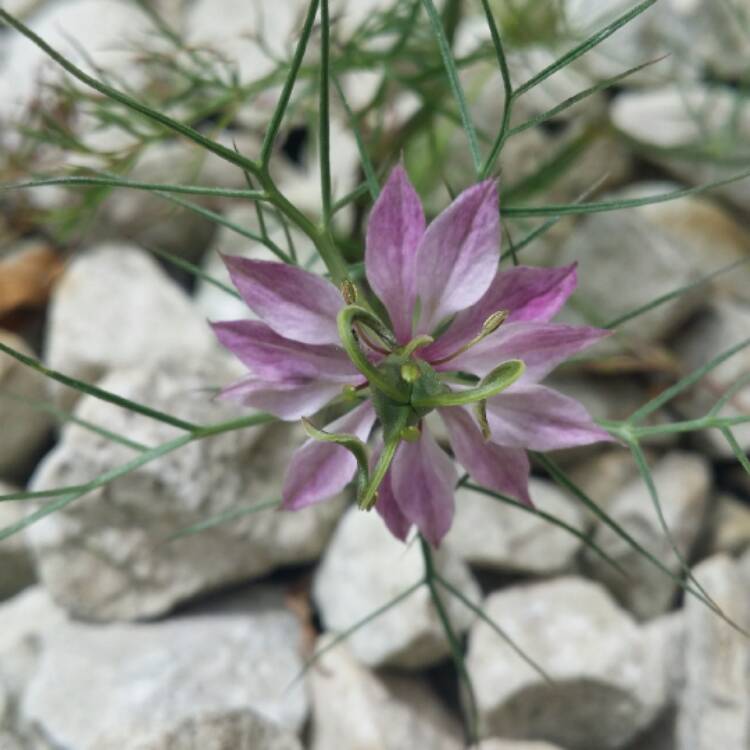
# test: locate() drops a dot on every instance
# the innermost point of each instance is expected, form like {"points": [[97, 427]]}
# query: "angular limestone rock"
{"points": [[363, 569], [127, 685], [607, 685], [108, 556], [357, 709], [488, 533], [683, 483]]}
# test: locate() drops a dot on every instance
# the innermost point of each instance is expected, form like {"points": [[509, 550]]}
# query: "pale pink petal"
{"points": [[398, 524], [286, 399], [394, 230], [297, 304], [319, 470], [423, 479], [541, 419], [270, 356], [526, 292], [505, 470], [541, 347], [458, 256]]}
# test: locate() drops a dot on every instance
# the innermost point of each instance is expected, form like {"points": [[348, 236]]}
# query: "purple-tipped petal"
{"points": [[387, 506], [270, 356], [286, 399], [319, 470], [297, 304], [541, 419], [526, 292], [423, 479], [395, 227], [505, 470], [458, 256], [541, 347]]}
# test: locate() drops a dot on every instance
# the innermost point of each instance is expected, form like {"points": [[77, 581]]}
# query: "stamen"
{"points": [[349, 292], [361, 333], [488, 327]]}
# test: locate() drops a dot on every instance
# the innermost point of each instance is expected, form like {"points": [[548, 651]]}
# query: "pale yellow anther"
{"points": [[494, 322], [349, 292]]}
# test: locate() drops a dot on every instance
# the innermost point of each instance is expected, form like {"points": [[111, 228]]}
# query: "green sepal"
{"points": [[426, 387], [352, 443], [495, 382], [369, 496]]}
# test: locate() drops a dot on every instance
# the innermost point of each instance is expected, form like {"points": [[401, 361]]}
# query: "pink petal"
{"points": [[541, 419], [398, 524], [297, 304], [287, 399], [505, 470], [458, 256], [320, 470], [527, 292], [270, 356], [394, 230], [423, 479], [541, 347]]}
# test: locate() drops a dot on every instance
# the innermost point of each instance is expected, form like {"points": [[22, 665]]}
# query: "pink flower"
{"points": [[464, 339]]}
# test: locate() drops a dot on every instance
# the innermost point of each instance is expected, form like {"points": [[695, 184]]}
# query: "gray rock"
{"points": [[356, 709], [363, 569], [672, 123], [150, 685], [730, 526], [16, 563], [107, 557], [73, 27], [603, 475], [489, 533], [25, 429], [724, 325], [715, 704], [498, 744], [26, 619], [607, 683], [241, 730], [683, 483], [102, 319], [660, 248]]}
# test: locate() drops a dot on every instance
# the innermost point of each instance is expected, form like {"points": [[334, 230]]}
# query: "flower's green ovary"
{"points": [[498, 380]]}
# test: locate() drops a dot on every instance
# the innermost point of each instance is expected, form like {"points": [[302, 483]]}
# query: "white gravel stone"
{"points": [[607, 683], [489, 533], [363, 569], [683, 484], [106, 556], [714, 709], [240, 730], [24, 429], [16, 563], [725, 324], [659, 249], [498, 744], [730, 526], [74, 28], [128, 685], [113, 308], [665, 120], [356, 709]]}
